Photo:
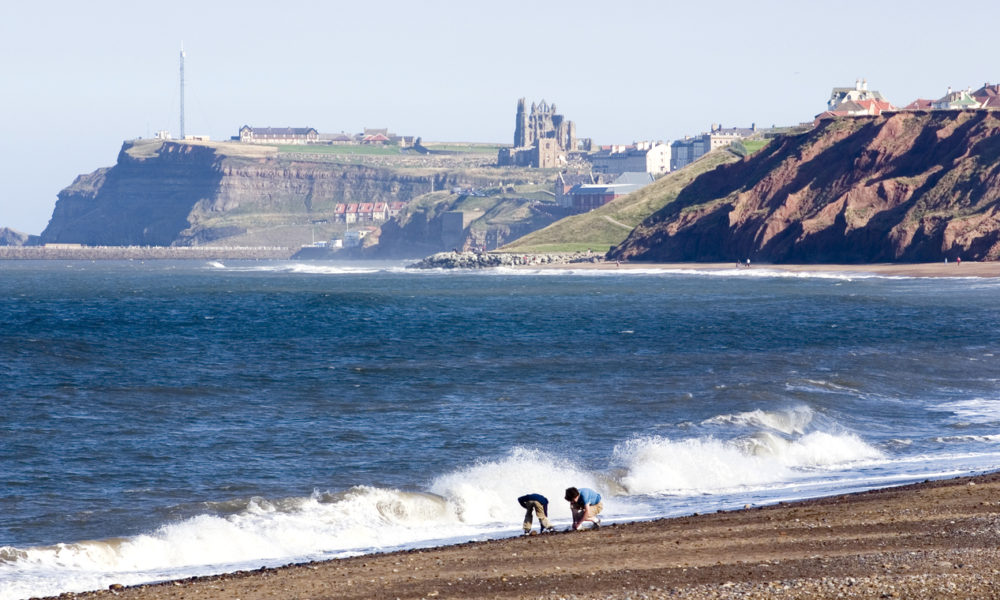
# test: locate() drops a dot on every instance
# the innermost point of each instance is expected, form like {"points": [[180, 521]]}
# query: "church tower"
{"points": [[520, 126]]}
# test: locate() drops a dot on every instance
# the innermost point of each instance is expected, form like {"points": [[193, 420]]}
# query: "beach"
{"points": [[936, 539], [937, 269]]}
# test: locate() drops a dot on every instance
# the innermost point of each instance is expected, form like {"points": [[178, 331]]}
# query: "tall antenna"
{"points": [[182, 90]]}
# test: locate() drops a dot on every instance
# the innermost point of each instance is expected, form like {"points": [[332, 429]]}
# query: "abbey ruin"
{"points": [[542, 138]]}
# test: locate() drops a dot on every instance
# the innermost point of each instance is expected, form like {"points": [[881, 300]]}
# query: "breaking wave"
{"points": [[657, 465], [472, 502], [794, 420]]}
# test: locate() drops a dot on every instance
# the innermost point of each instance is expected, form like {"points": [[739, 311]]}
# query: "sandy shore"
{"points": [[942, 269], [930, 540]]}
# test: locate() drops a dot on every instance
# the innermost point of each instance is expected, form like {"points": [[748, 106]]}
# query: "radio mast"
{"points": [[182, 90]]}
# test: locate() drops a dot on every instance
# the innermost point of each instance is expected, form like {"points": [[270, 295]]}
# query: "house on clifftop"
{"points": [[278, 135], [988, 96], [858, 101], [960, 100]]}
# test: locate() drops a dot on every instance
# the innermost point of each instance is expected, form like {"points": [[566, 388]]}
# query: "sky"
{"points": [[82, 77]]}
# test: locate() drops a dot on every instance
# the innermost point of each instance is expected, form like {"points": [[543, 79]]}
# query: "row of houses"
{"points": [[366, 212], [985, 98], [860, 101], [691, 148], [645, 157]]}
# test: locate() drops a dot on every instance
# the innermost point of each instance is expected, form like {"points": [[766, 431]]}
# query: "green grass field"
{"points": [[753, 146], [461, 148], [340, 150]]}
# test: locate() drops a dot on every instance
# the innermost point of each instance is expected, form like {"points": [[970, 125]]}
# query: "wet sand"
{"points": [[930, 540], [941, 269]]}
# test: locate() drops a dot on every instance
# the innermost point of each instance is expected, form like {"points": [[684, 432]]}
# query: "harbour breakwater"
{"points": [[143, 253], [486, 260]]}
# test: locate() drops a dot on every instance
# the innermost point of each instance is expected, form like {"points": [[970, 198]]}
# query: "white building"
{"points": [[690, 149], [352, 238], [858, 93], [641, 157]]}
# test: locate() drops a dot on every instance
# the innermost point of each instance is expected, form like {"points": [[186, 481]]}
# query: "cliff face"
{"points": [[9, 237], [169, 193], [907, 186], [143, 200], [443, 221]]}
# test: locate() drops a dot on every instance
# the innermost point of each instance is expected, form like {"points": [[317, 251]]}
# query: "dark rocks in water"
{"points": [[486, 260]]}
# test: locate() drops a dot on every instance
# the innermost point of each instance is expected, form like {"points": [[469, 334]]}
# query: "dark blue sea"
{"points": [[167, 419]]}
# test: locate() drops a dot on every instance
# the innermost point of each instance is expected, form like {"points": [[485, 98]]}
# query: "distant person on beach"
{"points": [[538, 504], [585, 504]]}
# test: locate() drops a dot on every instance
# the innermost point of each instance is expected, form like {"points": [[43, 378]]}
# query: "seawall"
{"points": [[144, 253]]}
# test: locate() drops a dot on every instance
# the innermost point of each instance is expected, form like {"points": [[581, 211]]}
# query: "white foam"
{"points": [[793, 420], [976, 410], [466, 504], [657, 465], [484, 493], [964, 439], [317, 268]]}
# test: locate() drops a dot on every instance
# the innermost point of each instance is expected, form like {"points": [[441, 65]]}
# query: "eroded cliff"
{"points": [[906, 186], [180, 193]]}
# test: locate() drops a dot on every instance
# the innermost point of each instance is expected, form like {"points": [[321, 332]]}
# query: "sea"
{"points": [[164, 419]]}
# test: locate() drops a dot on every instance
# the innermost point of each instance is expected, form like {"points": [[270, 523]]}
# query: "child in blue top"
{"points": [[585, 504]]}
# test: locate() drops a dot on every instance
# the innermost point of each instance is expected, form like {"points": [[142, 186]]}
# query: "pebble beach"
{"points": [[937, 539]]}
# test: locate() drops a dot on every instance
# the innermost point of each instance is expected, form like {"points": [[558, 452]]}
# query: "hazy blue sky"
{"points": [[81, 77]]}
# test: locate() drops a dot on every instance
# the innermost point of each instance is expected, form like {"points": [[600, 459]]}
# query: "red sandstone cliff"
{"points": [[907, 186]]}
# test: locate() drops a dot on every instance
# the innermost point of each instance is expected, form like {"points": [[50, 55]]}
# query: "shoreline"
{"points": [[933, 539], [590, 262], [573, 261], [951, 269]]}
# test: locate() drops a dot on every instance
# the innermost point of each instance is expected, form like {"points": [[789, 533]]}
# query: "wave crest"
{"points": [[791, 421], [657, 465]]}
